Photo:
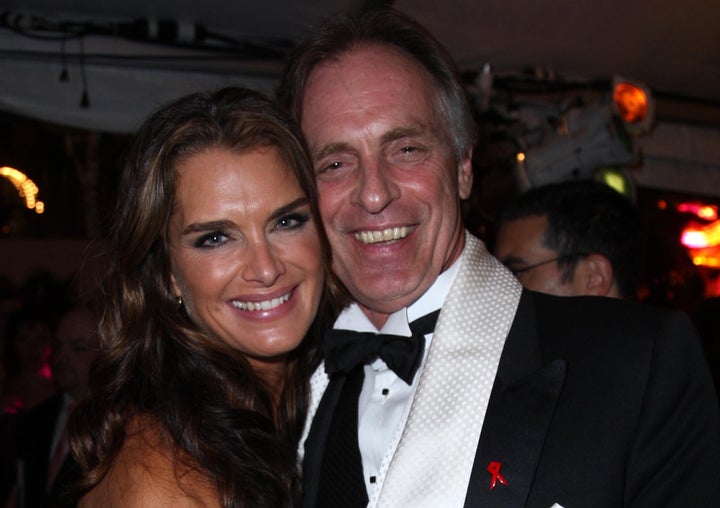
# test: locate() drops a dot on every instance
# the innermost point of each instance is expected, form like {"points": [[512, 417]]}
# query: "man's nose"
{"points": [[376, 188]]}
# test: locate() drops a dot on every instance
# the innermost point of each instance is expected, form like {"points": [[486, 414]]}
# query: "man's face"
{"points": [[519, 245], [389, 185]]}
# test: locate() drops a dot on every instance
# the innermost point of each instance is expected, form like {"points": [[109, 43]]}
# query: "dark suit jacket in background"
{"points": [[36, 434]]}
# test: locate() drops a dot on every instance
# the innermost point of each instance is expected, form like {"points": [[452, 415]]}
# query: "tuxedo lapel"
{"points": [[434, 458], [316, 439], [521, 408]]}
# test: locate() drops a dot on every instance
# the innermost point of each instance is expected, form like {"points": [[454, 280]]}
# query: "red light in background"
{"points": [[705, 212], [631, 101]]}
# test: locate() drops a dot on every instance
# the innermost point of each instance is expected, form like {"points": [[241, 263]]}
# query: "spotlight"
{"points": [[589, 138], [634, 104], [594, 136]]}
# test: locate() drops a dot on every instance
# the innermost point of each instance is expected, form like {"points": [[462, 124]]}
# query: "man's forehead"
{"points": [[522, 236], [375, 52], [354, 68], [368, 93]]}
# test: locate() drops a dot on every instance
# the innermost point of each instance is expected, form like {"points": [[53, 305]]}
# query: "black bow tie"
{"points": [[344, 349]]}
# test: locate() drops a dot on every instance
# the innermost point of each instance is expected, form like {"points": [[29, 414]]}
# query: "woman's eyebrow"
{"points": [[198, 227], [283, 210]]}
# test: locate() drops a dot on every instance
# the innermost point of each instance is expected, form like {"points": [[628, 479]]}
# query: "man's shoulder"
{"points": [[44, 410], [586, 323], [595, 304]]}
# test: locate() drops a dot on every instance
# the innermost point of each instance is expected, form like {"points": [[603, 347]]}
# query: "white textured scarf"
{"points": [[432, 463]]}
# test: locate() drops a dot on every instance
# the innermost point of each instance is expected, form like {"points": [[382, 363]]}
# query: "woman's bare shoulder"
{"points": [[148, 472]]}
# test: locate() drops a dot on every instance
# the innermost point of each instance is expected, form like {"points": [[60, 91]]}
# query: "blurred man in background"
{"points": [[46, 465], [572, 238]]}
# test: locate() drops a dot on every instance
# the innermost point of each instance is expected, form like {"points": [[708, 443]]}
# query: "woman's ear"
{"points": [[594, 275], [175, 287]]}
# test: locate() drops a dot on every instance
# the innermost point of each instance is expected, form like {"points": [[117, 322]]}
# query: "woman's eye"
{"points": [[292, 221], [211, 240]]}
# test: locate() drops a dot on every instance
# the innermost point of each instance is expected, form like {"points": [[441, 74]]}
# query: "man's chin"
{"points": [[385, 301]]}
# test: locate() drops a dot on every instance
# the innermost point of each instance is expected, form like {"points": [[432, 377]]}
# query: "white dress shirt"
{"points": [[385, 399]]}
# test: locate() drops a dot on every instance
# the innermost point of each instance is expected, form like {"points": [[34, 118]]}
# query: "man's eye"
{"points": [[410, 153], [413, 151], [329, 169], [337, 166]]}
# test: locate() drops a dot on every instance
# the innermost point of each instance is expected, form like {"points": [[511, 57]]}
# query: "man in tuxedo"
{"points": [[520, 399], [572, 238], [46, 462]]}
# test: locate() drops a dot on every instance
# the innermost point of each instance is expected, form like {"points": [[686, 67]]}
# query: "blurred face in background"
{"points": [[246, 256], [519, 246], [74, 348], [32, 345]]}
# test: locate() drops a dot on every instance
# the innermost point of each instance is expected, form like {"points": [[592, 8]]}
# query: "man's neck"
{"points": [[427, 302], [378, 319]]}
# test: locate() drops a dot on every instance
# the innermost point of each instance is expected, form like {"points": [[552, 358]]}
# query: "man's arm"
{"points": [[675, 458]]}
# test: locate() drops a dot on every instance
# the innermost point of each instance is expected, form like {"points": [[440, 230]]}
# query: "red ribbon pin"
{"points": [[494, 469]]}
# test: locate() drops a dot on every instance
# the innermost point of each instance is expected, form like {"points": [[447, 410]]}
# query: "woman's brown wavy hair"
{"points": [[155, 361]]}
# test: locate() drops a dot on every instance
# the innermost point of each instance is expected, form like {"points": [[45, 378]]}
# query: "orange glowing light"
{"points": [[632, 102], [26, 188], [711, 262], [699, 237]]}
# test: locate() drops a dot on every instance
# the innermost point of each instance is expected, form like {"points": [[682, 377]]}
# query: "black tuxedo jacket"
{"points": [[36, 434], [596, 403]]}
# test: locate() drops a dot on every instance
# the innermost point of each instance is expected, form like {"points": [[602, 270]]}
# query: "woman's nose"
{"points": [[263, 263]]}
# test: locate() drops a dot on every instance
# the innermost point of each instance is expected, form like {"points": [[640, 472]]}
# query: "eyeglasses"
{"points": [[518, 271]]}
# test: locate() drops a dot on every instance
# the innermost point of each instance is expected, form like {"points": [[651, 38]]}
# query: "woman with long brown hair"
{"points": [[219, 267]]}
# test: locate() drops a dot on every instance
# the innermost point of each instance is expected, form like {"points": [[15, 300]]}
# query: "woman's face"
{"points": [[245, 252]]}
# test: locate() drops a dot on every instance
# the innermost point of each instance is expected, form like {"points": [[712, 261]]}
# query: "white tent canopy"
{"points": [[672, 46], [130, 56]]}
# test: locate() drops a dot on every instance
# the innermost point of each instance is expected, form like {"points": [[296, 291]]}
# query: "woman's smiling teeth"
{"points": [[386, 235], [263, 305]]}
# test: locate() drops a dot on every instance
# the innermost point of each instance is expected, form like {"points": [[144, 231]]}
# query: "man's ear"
{"points": [[465, 175], [594, 275]]}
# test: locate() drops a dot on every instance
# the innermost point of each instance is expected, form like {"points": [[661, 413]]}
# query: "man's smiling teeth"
{"points": [[263, 305], [385, 235]]}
